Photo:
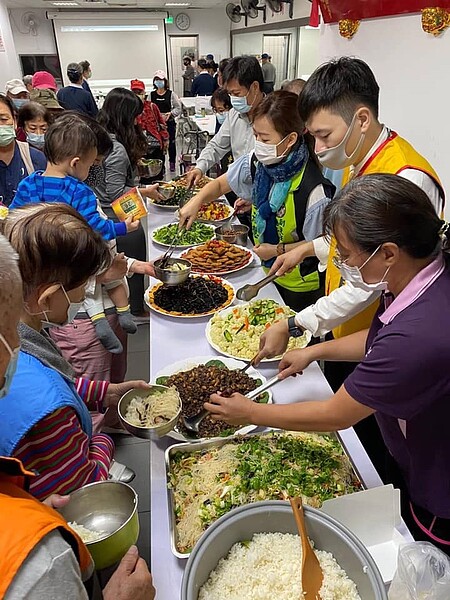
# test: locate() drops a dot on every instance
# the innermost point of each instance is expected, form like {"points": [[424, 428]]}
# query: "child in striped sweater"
{"points": [[71, 147]]}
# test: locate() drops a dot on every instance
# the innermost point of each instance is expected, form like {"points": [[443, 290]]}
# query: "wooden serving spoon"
{"points": [[312, 575]]}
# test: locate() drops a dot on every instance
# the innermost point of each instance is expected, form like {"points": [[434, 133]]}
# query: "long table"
{"points": [[172, 340]]}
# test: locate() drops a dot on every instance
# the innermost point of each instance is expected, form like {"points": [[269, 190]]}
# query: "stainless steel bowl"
{"points": [[109, 506], [169, 277], [146, 433], [166, 189], [149, 167], [274, 516], [235, 234]]}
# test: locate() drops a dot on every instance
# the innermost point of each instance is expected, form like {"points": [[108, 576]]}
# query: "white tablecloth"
{"points": [[172, 340], [206, 123]]}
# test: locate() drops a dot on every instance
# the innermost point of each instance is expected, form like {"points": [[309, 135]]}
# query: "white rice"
{"points": [[269, 568], [87, 535]]}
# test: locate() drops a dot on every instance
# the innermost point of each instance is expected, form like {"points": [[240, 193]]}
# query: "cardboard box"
{"points": [[374, 517]]}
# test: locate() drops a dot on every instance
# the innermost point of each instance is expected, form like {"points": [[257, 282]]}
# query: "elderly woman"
{"points": [[44, 417], [33, 120], [389, 238], [17, 159]]}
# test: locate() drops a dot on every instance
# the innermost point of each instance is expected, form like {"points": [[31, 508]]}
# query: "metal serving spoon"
{"points": [[312, 575], [192, 423], [251, 290]]}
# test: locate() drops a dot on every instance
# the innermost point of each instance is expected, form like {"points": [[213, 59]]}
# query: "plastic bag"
{"points": [[423, 573]]}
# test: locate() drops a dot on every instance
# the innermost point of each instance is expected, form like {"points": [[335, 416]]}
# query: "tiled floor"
{"points": [[133, 452]]}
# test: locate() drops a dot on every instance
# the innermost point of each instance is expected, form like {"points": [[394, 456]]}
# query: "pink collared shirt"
{"points": [[415, 288]]}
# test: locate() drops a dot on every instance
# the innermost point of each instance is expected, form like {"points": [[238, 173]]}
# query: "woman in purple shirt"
{"points": [[389, 238]]}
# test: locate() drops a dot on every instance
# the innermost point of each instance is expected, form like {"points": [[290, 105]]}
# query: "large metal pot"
{"points": [[274, 516], [106, 506]]}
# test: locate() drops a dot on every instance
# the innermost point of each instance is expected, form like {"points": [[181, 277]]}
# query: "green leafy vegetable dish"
{"points": [[207, 483], [199, 233]]}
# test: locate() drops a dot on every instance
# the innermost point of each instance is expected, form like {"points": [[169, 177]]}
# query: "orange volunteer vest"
{"points": [[24, 521], [393, 156]]}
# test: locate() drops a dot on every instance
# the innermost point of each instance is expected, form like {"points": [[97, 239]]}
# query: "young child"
{"points": [[71, 150]]}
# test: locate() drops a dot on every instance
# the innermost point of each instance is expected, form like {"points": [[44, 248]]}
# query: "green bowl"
{"points": [[110, 506]]}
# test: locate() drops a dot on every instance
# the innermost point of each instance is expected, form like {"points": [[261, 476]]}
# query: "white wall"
{"points": [[9, 63], [412, 70], [26, 43], [211, 25], [309, 55]]}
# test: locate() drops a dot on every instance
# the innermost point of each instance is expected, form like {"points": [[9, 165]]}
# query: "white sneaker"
{"points": [[120, 472]]}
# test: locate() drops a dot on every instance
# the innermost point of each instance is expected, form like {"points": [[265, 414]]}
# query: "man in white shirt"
{"points": [[340, 107], [243, 80]]}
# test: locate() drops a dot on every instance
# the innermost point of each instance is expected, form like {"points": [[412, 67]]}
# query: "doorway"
{"points": [[277, 46], [180, 45]]}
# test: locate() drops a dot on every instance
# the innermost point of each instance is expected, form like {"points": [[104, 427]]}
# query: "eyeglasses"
{"points": [[339, 262], [220, 111]]}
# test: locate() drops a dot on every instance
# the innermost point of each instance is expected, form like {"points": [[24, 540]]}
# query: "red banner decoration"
{"points": [[334, 11], [435, 20], [314, 18]]}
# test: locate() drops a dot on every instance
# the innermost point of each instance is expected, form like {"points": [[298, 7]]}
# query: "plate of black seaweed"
{"points": [[198, 296]]}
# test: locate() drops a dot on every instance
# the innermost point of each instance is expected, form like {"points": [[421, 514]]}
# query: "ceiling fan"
{"points": [[251, 8], [276, 6]]}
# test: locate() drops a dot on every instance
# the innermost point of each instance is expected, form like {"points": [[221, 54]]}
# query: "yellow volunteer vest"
{"points": [[286, 223], [393, 156]]}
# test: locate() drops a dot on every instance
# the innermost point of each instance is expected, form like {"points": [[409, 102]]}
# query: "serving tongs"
{"points": [[192, 423], [169, 252], [312, 574], [251, 290]]}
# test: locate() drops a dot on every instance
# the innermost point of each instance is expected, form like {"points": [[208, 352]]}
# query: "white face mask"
{"points": [[72, 311], [354, 276], [267, 153], [337, 158]]}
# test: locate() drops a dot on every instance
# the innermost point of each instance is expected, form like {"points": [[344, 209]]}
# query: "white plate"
{"points": [[231, 270], [211, 227], [163, 206], [190, 363], [224, 312], [161, 311], [218, 222]]}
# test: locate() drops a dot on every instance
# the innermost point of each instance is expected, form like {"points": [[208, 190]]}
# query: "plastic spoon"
{"points": [[312, 575]]}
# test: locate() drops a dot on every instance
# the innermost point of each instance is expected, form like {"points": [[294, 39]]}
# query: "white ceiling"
{"points": [[113, 4]]}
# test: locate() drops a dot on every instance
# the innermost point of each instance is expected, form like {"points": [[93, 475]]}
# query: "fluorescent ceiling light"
{"points": [[84, 28], [177, 4], [65, 4]]}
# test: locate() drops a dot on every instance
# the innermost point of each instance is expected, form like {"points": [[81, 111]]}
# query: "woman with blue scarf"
{"points": [[287, 190]]}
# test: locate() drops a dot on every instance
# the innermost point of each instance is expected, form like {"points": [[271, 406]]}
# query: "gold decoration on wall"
{"points": [[348, 28], [435, 20]]}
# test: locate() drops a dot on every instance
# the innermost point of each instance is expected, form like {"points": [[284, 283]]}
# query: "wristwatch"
{"points": [[294, 330]]}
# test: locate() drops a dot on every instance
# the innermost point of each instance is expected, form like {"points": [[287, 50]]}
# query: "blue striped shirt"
{"points": [[68, 190]]}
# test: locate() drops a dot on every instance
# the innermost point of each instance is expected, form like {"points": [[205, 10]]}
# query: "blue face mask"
{"points": [[19, 102], [36, 139], [221, 118], [11, 368], [159, 83]]}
